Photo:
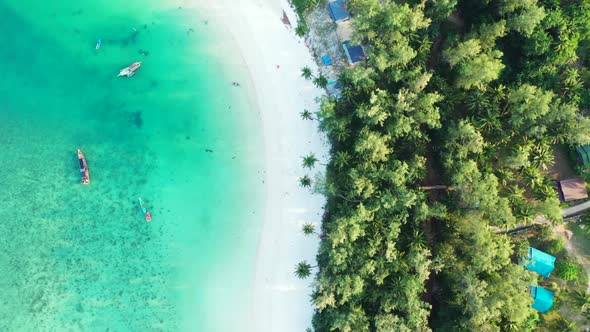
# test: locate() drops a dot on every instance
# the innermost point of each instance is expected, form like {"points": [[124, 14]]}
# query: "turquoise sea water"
{"points": [[178, 134]]}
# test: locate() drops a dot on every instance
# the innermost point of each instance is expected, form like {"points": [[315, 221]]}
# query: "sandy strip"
{"points": [[281, 302]]}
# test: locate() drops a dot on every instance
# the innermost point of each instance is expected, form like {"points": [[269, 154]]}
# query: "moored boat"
{"points": [[83, 168], [98, 43], [130, 70], [146, 213]]}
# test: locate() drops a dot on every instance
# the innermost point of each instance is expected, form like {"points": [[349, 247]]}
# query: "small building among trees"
{"points": [[355, 53], [584, 155], [572, 189], [543, 299], [338, 11], [539, 262]]}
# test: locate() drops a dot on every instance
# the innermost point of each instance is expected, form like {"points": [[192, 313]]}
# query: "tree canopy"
{"points": [[482, 120]]}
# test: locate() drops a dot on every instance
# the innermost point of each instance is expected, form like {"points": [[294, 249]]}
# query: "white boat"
{"points": [[130, 70]]}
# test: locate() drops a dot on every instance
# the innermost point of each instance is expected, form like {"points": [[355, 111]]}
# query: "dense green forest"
{"points": [[471, 95]]}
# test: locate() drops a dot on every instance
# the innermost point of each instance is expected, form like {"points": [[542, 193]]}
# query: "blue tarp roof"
{"points": [[353, 53], [540, 262], [338, 10], [543, 299]]}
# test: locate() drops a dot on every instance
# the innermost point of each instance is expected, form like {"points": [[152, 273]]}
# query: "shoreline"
{"points": [[274, 57]]}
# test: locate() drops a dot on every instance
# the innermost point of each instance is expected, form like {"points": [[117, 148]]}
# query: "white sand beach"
{"points": [[274, 56]]}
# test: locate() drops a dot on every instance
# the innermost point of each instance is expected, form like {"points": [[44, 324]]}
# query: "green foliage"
{"points": [[545, 232], [567, 270], [462, 52], [440, 9], [302, 29], [526, 21], [566, 325], [482, 69], [483, 286], [302, 6], [555, 246], [489, 33], [483, 122], [474, 67], [521, 248]]}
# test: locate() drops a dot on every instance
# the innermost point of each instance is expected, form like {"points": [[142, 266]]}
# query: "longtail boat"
{"points": [[83, 168], [98, 43], [130, 70], [146, 213]]}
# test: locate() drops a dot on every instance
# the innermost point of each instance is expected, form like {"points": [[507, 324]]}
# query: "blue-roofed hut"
{"points": [[354, 54], [543, 299], [338, 11], [540, 262], [584, 154]]}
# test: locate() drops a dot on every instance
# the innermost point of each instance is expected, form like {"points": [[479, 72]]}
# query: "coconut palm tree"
{"points": [[566, 325], [306, 115], [305, 181], [321, 81], [542, 156], [306, 73], [308, 229], [533, 177], [510, 326], [524, 213], [309, 161], [303, 270], [416, 238], [341, 159], [341, 132], [582, 300], [477, 101]]}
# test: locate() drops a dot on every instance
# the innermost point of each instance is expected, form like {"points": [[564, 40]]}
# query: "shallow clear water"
{"points": [[178, 134]]}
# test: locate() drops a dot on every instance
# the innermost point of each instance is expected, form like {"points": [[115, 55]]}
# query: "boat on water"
{"points": [[83, 168], [130, 70], [146, 213], [98, 43]]}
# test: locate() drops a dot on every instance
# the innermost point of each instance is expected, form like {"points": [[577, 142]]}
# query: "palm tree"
{"points": [[477, 101], [515, 194], [308, 229], [582, 300], [306, 115], [341, 132], [488, 122], [544, 191], [533, 177], [341, 159], [320, 81], [306, 73], [303, 270], [309, 161], [417, 239], [524, 213], [542, 156], [305, 181], [510, 326], [565, 325]]}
